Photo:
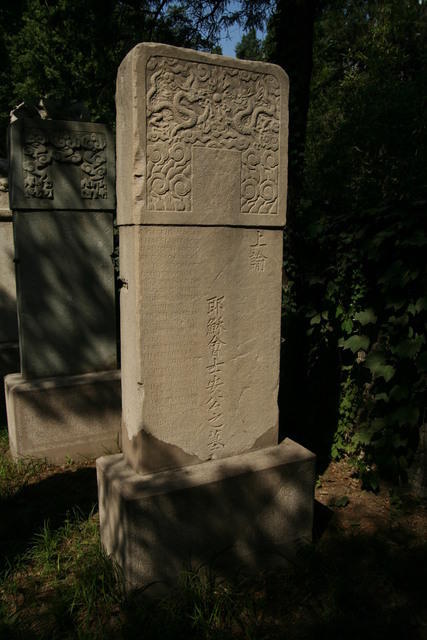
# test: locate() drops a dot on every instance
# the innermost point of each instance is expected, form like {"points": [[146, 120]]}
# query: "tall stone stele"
{"points": [[66, 400], [201, 186], [9, 348]]}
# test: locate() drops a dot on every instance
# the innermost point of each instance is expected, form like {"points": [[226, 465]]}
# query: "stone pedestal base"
{"points": [[245, 512], [70, 416]]}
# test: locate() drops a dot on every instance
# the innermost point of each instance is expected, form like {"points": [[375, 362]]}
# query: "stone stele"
{"points": [[201, 160], [200, 342], [201, 192], [9, 347], [8, 318], [62, 193]]}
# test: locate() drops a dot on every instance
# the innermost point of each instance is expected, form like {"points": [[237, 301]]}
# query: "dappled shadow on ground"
{"points": [[50, 499], [347, 586], [367, 581]]}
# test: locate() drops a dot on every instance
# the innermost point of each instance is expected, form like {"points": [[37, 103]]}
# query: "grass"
{"points": [[15, 475], [61, 585]]}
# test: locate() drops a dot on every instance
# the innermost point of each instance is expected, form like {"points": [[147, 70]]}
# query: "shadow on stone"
{"points": [[65, 292], [248, 512]]}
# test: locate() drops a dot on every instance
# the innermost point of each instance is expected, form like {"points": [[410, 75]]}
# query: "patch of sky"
{"points": [[230, 37]]}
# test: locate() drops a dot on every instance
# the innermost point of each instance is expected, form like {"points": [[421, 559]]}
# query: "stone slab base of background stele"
{"points": [[64, 417]]}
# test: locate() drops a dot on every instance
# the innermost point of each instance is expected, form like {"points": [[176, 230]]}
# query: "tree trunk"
{"points": [[291, 47]]}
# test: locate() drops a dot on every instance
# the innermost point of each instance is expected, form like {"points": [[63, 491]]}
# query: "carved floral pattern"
{"points": [[221, 107], [86, 150]]}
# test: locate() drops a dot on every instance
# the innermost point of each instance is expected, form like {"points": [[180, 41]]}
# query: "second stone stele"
{"points": [[201, 175], [65, 402]]}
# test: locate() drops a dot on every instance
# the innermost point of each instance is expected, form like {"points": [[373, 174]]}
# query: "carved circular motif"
{"points": [[179, 152], [268, 190], [156, 154], [43, 159], [270, 159], [251, 158], [159, 184], [250, 189], [180, 185]]}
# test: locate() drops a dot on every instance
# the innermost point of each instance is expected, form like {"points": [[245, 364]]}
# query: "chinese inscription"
{"points": [[215, 337], [85, 150], [190, 104], [257, 257]]}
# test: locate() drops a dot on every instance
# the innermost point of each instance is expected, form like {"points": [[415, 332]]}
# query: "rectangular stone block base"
{"points": [[245, 512], [69, 416]]}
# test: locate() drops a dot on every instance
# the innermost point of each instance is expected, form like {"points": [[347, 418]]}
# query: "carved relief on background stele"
{"points": [[85, 150], [190, 103]]}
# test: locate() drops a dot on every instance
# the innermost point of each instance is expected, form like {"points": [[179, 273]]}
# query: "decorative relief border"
{"points": [[221, 107], [86, 150]]}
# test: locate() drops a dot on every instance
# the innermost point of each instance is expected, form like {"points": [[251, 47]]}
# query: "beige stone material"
{"points": [[66, 306], [200, 315], [202, 170], [61, 417], [245, 512], [201, 139], [5, 211], [8, 316]]}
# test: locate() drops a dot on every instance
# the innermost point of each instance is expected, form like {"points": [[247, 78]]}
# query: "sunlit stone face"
{"points": [[201, 199]]}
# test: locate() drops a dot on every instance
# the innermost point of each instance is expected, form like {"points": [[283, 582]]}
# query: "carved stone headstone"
{"points": [[8, 318], [202, 165], [9, 350], [62, 192], [206, 147]]}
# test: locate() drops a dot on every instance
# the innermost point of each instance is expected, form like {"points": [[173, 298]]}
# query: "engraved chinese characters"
{"points": [[201, 200], [192, 105], [86, 150], [66, 400], [201, 162], [258, 259], [215, 332]]}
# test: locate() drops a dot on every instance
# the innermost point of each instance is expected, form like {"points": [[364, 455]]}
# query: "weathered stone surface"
{"points": [[61, 165], [8, 317], [248, 510], [200, 315], [56, 418], [5, 212], [201, 139], [65, 292], [202, 165]]}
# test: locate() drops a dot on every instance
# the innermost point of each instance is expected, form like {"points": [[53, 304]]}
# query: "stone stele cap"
{"points": [[201, 139], [60, 165]]}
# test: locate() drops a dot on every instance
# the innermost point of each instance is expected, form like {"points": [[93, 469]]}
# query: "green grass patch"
{"points": [[14, 475], [62, 586]]}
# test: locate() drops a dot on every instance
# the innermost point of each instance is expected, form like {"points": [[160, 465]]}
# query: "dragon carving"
{"points": [[188, 104]]}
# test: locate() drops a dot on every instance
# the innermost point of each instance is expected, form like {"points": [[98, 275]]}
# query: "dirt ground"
{"points": [[353, 510]]}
